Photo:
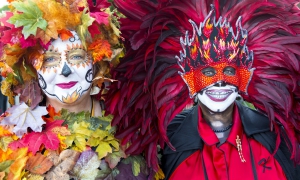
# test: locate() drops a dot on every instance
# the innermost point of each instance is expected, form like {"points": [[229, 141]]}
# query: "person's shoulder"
{"points": [[253, 121], [179, 119]]}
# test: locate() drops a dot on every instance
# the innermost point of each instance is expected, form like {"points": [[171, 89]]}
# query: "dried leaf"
{"points": [[114, 158], [138, 164], [87, 165], [50, 32], [4, 141], [31, 18], [38, 164], [23, 117], [30, 93], [67, 161], [33, 177]]}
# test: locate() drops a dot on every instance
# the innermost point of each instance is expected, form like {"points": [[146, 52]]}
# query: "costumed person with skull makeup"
{"points": [[223, 50], [57, 55]]}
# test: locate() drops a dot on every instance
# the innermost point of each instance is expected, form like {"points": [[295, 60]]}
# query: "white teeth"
{"points": [[218, 96], [218, 93]]}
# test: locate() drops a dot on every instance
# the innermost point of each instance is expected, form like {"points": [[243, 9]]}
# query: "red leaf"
{"points": [[100, 17], [5, 18], [34, 140], [11, 36]]}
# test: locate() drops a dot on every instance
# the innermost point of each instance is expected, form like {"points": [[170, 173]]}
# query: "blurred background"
{"points": [[3, 100]]}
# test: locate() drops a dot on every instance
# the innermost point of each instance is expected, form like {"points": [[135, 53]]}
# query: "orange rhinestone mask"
{"points": [[214, 44]]}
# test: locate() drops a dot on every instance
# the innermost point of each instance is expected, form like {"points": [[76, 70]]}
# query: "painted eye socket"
{"points": [[230, 71], [77, 56], [209, 71], [51, 60]]}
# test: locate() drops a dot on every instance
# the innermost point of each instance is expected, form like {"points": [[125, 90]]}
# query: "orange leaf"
{"points": [[19, 153], [51, 32], [101, 49], [38, 164], [51, 113], [64, 34], [14, 50], [16, 169], [5, 131], [4, 155]]}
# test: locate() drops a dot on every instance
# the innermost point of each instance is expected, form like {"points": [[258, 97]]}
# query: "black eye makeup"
{"points": [[209, 71], [230, 71]]}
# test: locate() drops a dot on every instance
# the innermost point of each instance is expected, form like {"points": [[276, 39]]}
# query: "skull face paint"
{"points": [[66, 73]]}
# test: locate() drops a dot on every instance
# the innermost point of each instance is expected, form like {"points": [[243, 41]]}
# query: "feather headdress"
{"points": [[150, 92]]}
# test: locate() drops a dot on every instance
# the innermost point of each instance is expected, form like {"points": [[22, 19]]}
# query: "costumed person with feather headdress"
{"points": [[222, 50], [56, 55]]}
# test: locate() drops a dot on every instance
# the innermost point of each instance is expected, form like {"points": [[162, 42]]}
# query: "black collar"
{"points": [[183, 130]]}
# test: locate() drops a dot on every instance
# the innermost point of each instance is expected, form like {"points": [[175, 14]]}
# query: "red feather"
{"points": [[150, 92]]}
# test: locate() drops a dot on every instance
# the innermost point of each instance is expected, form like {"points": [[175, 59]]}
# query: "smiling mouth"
{"points": [[67, 85], [218, 95]]}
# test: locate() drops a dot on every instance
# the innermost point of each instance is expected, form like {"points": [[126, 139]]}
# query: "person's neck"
{"points": [[217, 120]]}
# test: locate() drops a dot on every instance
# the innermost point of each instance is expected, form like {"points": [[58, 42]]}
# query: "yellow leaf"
{"points": [[19, 153], [82, 128], [4, 141], [34, 177], [80, 142], [6, 90], [159, 175], [110, 137], [69, 140], [103, 149], [17, 168], [100, 134], [136, 168], [114, 144], [93, 141], [62, 143]]}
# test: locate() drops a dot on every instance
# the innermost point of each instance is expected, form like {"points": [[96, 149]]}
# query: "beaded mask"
{"points": [[214, 44]]}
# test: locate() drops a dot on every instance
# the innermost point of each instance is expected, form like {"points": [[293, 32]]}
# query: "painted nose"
{"points": [[220, 83], [66, 71]]}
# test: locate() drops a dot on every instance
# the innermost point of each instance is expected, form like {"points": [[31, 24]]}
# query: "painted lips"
{"points": [[218, 95], [67, 85]]}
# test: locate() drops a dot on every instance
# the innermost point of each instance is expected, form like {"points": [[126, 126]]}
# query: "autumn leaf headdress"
{"points": [[30, 25]]}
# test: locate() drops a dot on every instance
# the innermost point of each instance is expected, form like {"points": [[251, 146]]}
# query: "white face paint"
{"points": [[218, 99], [66, 73]]}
